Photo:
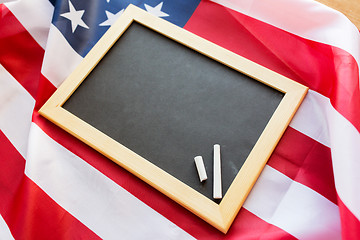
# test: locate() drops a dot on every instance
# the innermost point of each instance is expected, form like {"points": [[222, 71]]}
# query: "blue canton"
{"points": [[83, 22]]}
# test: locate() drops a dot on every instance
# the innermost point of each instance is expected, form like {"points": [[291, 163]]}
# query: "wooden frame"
{"points": [[219, 215]]}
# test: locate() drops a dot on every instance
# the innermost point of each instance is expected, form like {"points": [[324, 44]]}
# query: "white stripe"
{"points": [[318, 119], [310, 119], [15, 111], [345, 151], [313, 119], [5, 233], [305, 18], [60, 58], [293, 207], [99, 203], [35, 16]]}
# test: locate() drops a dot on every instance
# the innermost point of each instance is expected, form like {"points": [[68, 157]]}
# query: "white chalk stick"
{"points": [[217, 191], [199, 162]]}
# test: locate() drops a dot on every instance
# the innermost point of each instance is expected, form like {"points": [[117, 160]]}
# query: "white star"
{"points": [[156, 10], [75, 17], [111, 18]]}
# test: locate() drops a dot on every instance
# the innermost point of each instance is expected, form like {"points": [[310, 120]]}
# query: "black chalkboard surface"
{"points": [[169, 103], [151, 96]]}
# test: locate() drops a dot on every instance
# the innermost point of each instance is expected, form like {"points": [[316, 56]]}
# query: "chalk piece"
{"points": [[217, 191], [199, 162]]}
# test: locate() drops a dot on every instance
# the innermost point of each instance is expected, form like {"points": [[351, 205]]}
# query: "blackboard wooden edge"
{"points": [[220, 216], [140, 167]]}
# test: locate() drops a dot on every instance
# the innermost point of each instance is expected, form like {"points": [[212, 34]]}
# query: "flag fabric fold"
{"points": [[54, 186]]}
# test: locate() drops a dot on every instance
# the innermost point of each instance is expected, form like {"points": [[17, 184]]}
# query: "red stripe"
{"points": [[350, 225], [22, 56], [306, 161], [248, 226], [328, 70], [27, 210], [44, 92]]}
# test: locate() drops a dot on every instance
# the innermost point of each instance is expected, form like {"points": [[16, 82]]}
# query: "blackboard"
{"points": [[151, 96], [169, 103]]}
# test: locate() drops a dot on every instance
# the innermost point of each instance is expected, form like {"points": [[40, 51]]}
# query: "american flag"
{"points": [[52, 186]]}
